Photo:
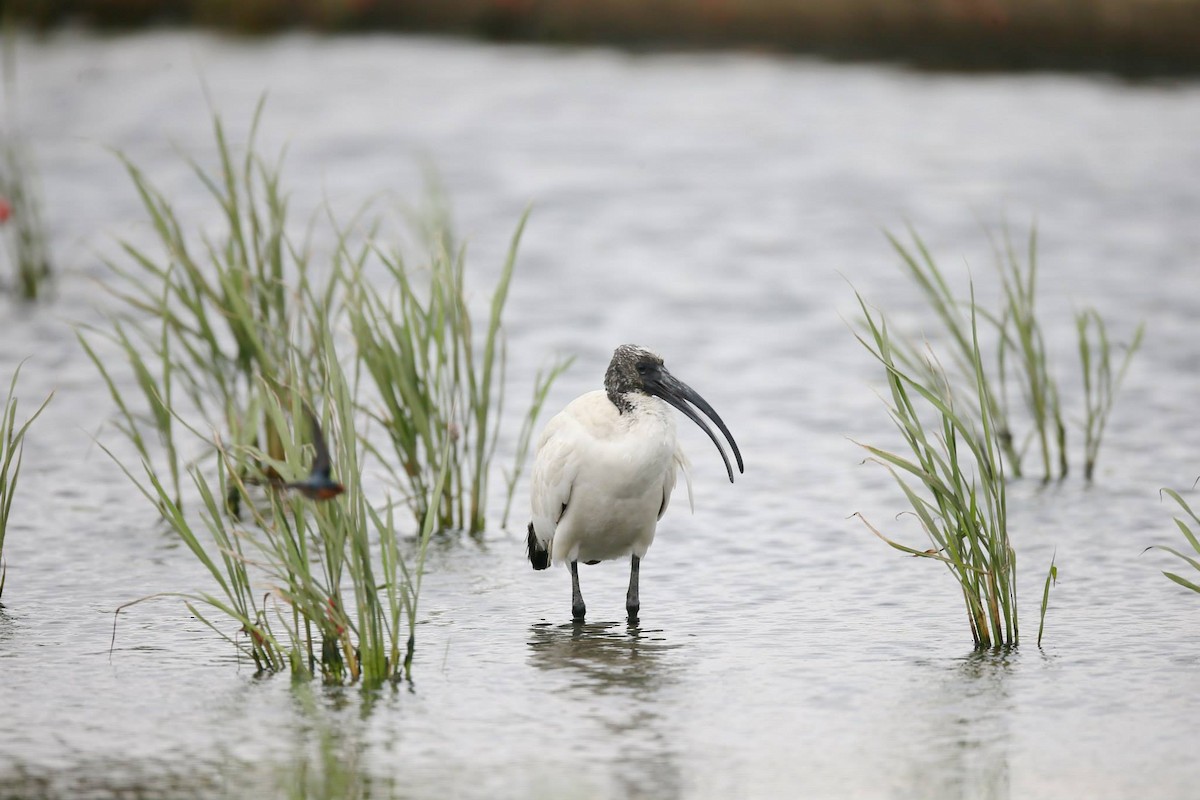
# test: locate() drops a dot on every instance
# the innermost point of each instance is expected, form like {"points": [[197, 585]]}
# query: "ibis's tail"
{"points": [[539, 556]]}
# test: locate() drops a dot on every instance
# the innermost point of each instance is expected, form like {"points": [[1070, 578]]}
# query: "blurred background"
{"points": [[712, 179], [1128, 36]]}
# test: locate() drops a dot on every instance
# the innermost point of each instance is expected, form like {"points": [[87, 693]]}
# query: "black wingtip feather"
{"points": [[539, 556]]}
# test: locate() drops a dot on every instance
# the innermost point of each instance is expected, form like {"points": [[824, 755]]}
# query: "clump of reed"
{"points": [[211, 322], [12, 449], [951, 313], [232, 343], [21, 225], [1021, 358], [441, 394], [1100, 381], [959, 423], [322, 589], [952, 475], [1188, 526], [1020, 333]]}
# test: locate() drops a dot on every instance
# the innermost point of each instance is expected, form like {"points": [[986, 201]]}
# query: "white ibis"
{"points": [[605, 468]]}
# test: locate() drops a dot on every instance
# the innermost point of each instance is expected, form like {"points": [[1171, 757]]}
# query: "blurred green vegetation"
{"points": [[1129, 36]]}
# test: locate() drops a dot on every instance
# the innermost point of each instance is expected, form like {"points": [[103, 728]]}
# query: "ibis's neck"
{"points": [[636, 409], [620, 399], [617, 389]]}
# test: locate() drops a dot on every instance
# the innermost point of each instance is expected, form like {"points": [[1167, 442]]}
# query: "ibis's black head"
{"points": [[635, 369], [628, 371]]}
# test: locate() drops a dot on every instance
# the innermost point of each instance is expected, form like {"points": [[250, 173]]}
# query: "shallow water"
{"points": [[713, 207]]}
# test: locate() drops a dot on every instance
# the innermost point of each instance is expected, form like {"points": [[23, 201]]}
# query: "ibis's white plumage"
{"points": [[602, 478]]}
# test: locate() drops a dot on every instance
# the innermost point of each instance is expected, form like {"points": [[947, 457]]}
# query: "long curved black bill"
{"points": [[679, 394]]}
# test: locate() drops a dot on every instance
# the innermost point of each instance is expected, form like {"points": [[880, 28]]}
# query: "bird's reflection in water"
{"points": [[621, 674], [607, 656]]}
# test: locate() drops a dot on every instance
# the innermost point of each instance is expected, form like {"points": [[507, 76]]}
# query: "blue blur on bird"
{"points": [[319, 485], [605, 468]]}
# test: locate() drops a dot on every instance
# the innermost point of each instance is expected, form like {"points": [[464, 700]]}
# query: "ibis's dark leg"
{"points": [[578, 609], [631, 598]]}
